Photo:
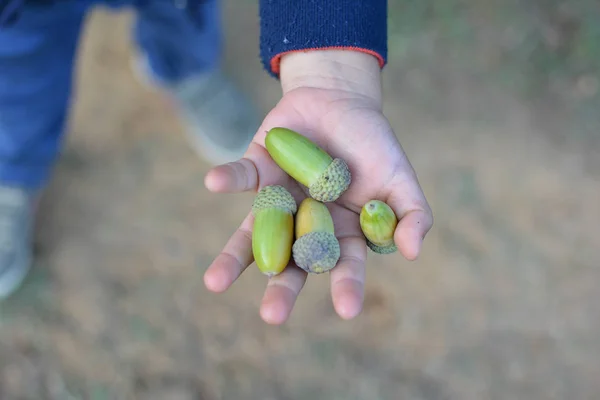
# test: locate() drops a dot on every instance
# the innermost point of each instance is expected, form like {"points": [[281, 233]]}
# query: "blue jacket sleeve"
{"points": [[301, 25]]}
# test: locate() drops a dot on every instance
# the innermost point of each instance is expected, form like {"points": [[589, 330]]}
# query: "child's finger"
{"points": [[238, 176], [233, 260], [415, 218], [281, 294], [348, 278], [254, 171]]}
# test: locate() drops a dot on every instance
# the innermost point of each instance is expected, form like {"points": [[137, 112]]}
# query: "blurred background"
{"points": [[496, 104]]}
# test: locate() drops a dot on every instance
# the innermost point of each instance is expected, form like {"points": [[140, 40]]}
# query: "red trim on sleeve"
{"points": [[275, 61]]}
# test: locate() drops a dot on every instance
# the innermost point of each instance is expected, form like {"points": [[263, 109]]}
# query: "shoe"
{"points": [[220, 121], [16, 217]]}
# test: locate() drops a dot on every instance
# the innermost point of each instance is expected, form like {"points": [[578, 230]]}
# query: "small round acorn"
{"points": [[325, 177], [316, 249], [378, 223], [273, 231]]}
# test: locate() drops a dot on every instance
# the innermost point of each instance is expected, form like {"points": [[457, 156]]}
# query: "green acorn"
{"points": [[378, 223], [325, 177], [273, 230], [316, 249]]}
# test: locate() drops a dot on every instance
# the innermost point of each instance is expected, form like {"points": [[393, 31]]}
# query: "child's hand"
{"points": [[333, 98]]}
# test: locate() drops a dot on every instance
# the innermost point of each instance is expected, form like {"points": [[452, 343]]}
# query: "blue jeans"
{"points": [[36, 67]]}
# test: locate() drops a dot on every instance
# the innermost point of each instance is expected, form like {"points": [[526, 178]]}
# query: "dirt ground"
{"points": [[494, 103]]}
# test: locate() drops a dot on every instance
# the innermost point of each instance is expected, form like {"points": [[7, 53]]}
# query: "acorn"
{"points": [[325, 177], [316, 249], [273, 231], [378, 223]]}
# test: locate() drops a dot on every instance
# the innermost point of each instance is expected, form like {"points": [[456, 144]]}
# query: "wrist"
{"points": [[351, 71]]}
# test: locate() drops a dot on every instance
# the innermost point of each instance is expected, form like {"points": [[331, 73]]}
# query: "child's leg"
{"points": [[179, 42], [36, 57], [36, 64], [182, 48]]}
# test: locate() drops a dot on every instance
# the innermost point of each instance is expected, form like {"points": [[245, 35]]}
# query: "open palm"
{"points": [[347, 126]]}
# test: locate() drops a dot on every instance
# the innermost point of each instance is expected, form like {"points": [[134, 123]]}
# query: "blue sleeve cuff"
{"points": [[298, 25]]}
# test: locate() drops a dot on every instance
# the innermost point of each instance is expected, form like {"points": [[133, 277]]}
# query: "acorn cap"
{"points": [[274, 196], [316, 252], [389, 249], [334, 181]]}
